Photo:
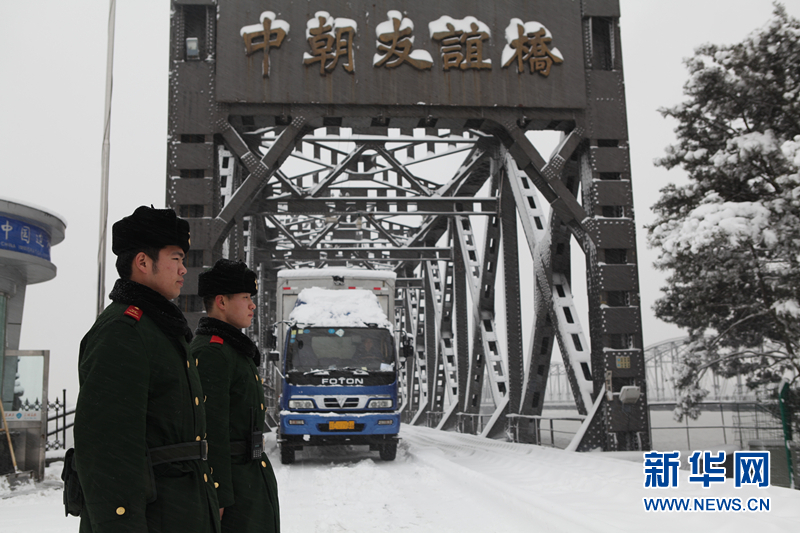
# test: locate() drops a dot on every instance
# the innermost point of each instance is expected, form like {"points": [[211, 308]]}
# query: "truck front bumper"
{"points": [[335, 425]]}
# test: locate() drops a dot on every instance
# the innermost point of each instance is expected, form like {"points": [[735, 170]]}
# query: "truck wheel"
{"points": [[389, 451], [287, 455]]}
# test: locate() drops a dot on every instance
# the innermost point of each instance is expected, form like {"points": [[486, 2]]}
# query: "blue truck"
{"points": [[338, 359]]}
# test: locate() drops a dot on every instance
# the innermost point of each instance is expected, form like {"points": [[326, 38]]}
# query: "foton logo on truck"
{"points": [[342, 381]]}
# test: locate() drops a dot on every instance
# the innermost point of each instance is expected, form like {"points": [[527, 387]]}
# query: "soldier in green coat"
{"points": [[140, 427], [228, 364]]}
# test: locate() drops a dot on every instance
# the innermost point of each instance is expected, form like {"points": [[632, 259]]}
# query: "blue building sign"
{"points": [[24, 237]]}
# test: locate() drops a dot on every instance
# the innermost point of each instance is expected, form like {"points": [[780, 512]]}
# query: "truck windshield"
{"points": [[369, 349]]}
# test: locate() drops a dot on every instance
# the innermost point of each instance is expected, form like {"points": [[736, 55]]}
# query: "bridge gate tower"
{"points": [[402, 134]]}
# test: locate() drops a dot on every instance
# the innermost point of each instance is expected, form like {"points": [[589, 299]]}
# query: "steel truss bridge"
{"points": [[455, 197], [661, 362]]}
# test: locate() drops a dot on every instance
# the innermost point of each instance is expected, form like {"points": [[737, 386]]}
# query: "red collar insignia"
{"points": [[134, 312], [216, 340]]}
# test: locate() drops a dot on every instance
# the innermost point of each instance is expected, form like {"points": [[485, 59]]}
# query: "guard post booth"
{"points": [[26, 235]]}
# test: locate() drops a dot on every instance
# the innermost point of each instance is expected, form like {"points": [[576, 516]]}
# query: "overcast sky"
{"points": [[53, 67]]}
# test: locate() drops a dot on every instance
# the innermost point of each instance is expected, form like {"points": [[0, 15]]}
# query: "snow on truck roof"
{"points": [[334, 308], [306, 273]]}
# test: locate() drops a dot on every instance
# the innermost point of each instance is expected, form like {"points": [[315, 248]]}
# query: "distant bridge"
{"points": [[661, 361]]}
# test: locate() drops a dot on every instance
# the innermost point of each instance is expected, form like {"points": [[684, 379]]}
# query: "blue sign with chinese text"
{"points": [[24, 237]]}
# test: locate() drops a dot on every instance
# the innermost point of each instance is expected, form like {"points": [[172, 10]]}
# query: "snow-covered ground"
{"points": [[448, 482]]}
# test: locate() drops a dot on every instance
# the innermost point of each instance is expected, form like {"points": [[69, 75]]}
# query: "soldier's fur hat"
{"points": [[149, 227], [226, 277]]}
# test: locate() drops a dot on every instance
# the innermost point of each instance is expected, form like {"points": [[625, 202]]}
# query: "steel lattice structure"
{"points": [[284, 167], [661, 363]]}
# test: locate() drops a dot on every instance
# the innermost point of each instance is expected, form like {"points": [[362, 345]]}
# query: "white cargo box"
{"points": [[292, 282]]}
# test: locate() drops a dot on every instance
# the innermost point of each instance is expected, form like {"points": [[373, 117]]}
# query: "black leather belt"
{"points": [[185, 451]]}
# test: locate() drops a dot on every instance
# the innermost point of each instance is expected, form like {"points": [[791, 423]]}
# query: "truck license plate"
{"points": [[341, 425]]}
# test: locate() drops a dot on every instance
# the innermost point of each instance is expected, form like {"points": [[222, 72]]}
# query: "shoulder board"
{"points": [[134, 312], [216, 340]]}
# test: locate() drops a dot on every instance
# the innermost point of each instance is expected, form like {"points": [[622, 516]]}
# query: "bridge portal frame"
{"points": [[224, 175]]}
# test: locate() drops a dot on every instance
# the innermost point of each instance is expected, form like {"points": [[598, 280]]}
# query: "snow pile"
{"points": [[275, 24], [445, 24], [342, 308], [789, 308], [791, 151], [714, 218], [323, 19], [743, 147]]}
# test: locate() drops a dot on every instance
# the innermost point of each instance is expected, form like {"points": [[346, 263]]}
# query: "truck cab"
{"points": [[339, 366]]}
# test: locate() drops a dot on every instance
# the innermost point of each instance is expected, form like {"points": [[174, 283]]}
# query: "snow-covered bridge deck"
{"points": [[447, 482]]}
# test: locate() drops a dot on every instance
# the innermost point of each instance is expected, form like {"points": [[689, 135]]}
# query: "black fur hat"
{"points": [[149, 227], [226, 277]]}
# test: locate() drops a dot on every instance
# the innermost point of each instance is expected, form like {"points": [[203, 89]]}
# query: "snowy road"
{"points": [[447, 482]]}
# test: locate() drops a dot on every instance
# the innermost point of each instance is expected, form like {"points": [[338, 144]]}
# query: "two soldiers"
{"points": [[141, 432]]}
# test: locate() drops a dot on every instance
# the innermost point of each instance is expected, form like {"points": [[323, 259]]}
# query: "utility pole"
{"points": [[101, 251]]}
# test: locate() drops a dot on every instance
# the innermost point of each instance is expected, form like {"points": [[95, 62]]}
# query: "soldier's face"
{"points": [[239, 310], [166, 277]]}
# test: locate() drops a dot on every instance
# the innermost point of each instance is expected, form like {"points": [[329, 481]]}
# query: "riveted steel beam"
{"points": [[260, 172], [415, 206], [371, 254], [515, 364]]}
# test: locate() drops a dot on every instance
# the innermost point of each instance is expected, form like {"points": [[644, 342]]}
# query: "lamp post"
{"points": [[787, 429]]}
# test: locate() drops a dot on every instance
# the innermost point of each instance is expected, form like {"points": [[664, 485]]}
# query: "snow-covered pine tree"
{"points": [[730, 239]]}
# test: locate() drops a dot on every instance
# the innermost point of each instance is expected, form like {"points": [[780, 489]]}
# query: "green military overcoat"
{"points": [[139, 390], [247, 488]]}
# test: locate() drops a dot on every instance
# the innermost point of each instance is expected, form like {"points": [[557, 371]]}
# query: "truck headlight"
{"points": [[383, 403], [301, 404]]}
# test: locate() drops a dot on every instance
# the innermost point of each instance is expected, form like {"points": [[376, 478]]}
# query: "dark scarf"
{"points": [[164, 313], [230, 334]]}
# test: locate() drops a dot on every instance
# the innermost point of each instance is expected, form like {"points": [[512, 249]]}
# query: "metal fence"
{"points": [[729, 423], [739, 423], [58, 423]]}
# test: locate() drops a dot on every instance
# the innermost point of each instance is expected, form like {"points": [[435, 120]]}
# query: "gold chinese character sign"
{"points": [[269, 34], [528, 43], [463, 53], [395, 40], [461, 42], [329, 39]]}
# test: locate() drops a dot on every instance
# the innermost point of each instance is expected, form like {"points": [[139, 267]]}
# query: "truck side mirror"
{"points": [[273, 356], [408, 351]]}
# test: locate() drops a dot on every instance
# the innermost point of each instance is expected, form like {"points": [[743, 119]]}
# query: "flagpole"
{"points": [[101, 252]]}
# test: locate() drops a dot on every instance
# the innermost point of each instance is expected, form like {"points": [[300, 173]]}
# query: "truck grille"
{"points": [[348, 403]]}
